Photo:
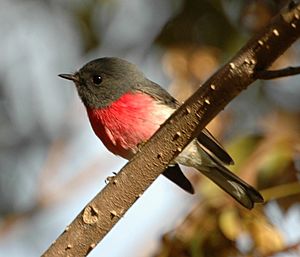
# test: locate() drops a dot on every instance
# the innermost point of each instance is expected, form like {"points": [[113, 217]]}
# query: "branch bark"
{"points": [[103, 212]]}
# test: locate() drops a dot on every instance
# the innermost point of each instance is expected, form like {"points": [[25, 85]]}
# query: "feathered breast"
{"points": [[127, 122]]}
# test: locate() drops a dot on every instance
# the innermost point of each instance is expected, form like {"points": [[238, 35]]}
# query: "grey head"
{"points": [[102, 81]]}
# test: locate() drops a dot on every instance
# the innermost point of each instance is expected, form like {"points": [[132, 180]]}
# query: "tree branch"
{"points": [[104, 211]]}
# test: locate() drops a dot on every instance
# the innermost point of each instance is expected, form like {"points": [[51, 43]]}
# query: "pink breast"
{"points": [[127, 122]]}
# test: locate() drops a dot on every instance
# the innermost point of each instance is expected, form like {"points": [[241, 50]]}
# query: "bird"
{"points": [[125, 109]]}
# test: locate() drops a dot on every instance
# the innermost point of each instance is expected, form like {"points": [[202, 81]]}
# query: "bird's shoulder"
{"points": [[158, 93]]}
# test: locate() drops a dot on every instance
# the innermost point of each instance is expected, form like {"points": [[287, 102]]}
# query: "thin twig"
{"points": [[275, 74], [292, 247]]}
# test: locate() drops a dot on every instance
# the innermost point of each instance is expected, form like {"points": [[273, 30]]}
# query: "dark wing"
{"points": [[175, 174], [206, 139]]}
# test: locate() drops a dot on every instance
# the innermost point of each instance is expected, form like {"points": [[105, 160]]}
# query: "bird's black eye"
{"points": [[97, 79]]}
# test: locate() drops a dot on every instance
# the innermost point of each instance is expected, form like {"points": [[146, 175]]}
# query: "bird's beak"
{"points": [[72, 77]]}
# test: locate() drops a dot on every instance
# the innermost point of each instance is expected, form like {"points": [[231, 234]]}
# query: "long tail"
{"points": [[196, 156], [233, 185]]}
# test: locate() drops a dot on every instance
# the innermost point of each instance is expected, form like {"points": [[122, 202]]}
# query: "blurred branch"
{"points": [[289, 248], [274, 74], [280, 191], [105, 210]]}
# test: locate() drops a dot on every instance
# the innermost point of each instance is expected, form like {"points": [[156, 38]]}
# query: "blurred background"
{"points": [[52, 164]]}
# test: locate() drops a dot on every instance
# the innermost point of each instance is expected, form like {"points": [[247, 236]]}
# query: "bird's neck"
{"points": [[127, 122]]}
